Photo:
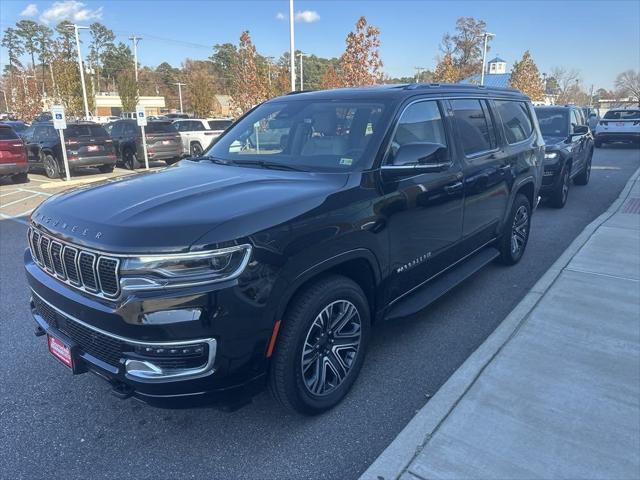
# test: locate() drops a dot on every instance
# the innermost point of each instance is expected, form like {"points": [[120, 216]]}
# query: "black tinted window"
{"points": [[622, 115], [160, 127], [219, 124], [420, 122], [85, 130], [474, 125], [7, 133], [515, 119]]}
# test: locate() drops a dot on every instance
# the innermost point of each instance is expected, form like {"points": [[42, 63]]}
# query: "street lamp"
{"points": [[418, 72], [84, 88], [486, 36], [292, 50], [180, 85], [300, 55]]}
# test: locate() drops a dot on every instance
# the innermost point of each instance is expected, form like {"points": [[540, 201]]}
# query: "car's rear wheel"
{"points": [[106, 168], [196, 149], [559, 196], [585, 174], [321, 345], [516, 235], [51, 167], [20, 178]]}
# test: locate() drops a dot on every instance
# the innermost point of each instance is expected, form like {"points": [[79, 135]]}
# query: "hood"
{"points": [[170, 209], [554, 142]]}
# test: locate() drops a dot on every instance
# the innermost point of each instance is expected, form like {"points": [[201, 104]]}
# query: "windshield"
{"points": [[315, 135], [7, 133], [622, 115], [160, 127], [553, 122]]}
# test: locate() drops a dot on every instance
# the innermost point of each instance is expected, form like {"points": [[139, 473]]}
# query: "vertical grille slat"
{"points": [[85, 270]]}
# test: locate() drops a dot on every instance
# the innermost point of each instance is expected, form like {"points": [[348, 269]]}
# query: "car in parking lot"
{"points": [[163, 142], [13, 155], [592, 117], [198, 133], [87, 144], [267, 264], [568, 152], [619, 125]]}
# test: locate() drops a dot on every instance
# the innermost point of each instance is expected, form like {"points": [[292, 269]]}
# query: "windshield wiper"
{"points": [[219, 161], [271, 165]]}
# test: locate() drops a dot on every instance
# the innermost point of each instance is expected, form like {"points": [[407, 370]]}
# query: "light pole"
{"points": [[486, 36], [84, 88], [6, 104], [300, 55], [418, 72], [135, 41], [292, 50], [180, 85], [269, 60]]}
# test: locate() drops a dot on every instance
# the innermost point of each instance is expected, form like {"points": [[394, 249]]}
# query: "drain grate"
{"points": [[632, 206]]}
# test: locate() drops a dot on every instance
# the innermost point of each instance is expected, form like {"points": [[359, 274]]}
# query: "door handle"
{"points": [[453, 188]]}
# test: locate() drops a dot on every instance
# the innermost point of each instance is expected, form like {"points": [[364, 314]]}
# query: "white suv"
{"points": [[197, 133], [619, 125]]}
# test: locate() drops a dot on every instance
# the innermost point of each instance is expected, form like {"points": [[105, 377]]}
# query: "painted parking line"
{"points": [[35, 191], [5, 205], [598, 167], [9, 193]]}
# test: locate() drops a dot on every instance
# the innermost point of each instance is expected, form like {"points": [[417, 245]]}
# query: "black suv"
{"points": [[163, 142], [266, 260], [87, 145], [568, 152]]}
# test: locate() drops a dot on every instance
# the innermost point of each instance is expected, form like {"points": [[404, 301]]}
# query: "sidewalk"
{"points": [[554, 392]]}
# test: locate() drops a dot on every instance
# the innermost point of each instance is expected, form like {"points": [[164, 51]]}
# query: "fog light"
{"points": [[165, 317]]}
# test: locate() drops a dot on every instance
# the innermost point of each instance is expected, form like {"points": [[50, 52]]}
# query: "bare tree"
{"points": [[567, 82], [628, 84]]}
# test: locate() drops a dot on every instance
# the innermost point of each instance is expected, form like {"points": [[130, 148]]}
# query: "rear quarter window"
{"points": [[7, 133], [622, 115], [516, 120]]}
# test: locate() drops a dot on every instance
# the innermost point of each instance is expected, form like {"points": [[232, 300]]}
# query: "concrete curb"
{"points": [[396, 458]]}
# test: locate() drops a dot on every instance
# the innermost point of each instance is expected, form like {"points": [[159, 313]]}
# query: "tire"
{"points": [[20, 178], [558, 198], [196, 149], [51, 167], [583, 177], [106, 168], [171, 161], [516, 236], [291, 376], [130, 160]]}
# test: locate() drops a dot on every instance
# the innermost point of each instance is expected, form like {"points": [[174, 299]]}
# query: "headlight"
{"points": [[183, 269], [551, 155]]}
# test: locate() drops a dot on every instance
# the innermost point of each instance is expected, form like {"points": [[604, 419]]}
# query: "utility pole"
{"points": [[486, 36], [180, 85], [300, 55], [418, 72], [6, 104], [292, 50], [135, 41], [84, 88], [269, 60]]}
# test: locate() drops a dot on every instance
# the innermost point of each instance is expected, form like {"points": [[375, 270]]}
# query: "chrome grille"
{"points": [[85, 270]]}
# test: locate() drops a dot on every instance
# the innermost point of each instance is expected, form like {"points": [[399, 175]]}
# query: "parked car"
{"points": [[163, 142], [13, 155], [268, 265], [592, 116], [43, 117], [87, 144], [173, 116], [568, 151], [17, 125], [619, 125], [197, 133]]}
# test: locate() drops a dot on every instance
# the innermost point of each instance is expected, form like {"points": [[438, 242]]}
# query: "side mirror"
{"points": [[580, 130], [416, 158]]}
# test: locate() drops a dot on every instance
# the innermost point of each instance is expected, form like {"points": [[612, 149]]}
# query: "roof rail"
{"points": [[296, 92]]}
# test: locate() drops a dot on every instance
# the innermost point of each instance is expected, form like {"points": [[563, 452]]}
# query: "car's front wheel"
{"points": [[516, 231], [585, 174], [560, 194], [196, 149], [106, 168], [130, 160], [51, 167], [20, 178], [321, 345]]}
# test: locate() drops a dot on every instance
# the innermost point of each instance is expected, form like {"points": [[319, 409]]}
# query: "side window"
{"points": [[196, 126], [38, 134], [116, 130], [130, 130], [475, 125], [420, 122], [575, 120], [515, 119], [51, 134], [180, 126]]}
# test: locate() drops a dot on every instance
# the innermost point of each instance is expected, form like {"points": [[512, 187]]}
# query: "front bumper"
{"points": [[102, 335], [13, 168], [550, 179]]}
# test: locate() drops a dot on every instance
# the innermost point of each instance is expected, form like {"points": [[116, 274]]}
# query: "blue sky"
{"points": [[600, 38]]}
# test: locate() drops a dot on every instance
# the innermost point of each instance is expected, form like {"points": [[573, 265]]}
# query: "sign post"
{"points": [[142, 122], [60, 123]]}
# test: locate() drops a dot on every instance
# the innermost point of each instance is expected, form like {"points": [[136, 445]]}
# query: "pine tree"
{"points": [[525, 76], [446, 71], [360, 64]]}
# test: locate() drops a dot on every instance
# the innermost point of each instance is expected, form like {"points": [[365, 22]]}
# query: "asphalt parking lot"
{"points": [[54, 424]]}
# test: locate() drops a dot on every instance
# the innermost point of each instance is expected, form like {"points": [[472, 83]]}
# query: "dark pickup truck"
{"points": [[265, 261]]}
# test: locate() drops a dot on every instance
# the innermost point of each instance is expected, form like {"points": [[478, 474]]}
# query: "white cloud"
{"points": [[280, 16], [70, 10], [30, 10], [307, 16]]}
